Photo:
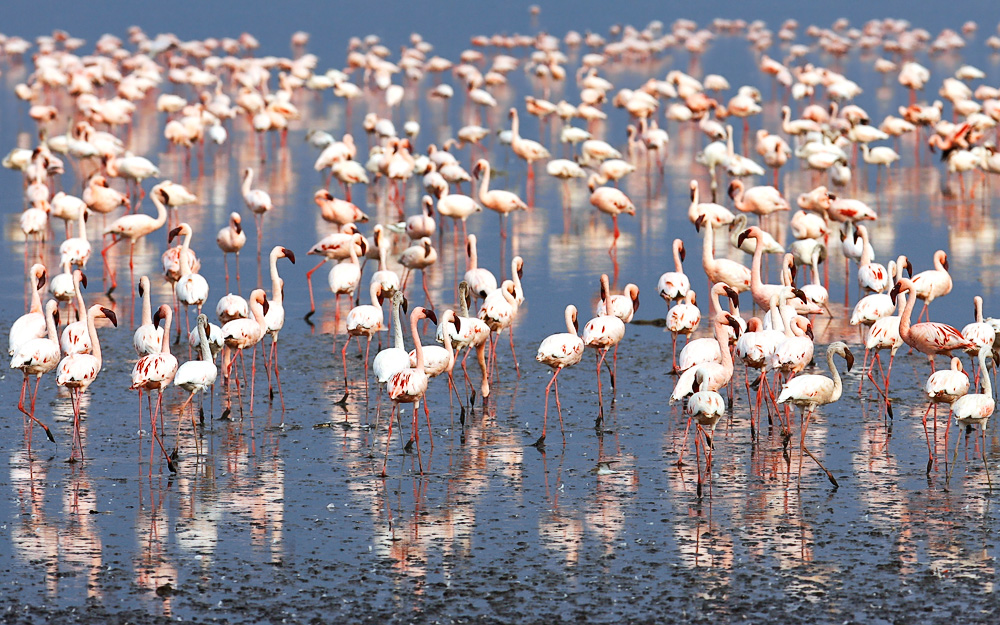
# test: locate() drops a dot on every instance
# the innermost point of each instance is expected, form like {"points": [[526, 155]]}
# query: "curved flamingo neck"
{"points": [[484, 184], [756, 280], [985, 377], [258, 314], [83, 224], [79, 294], [473, 253], [904, 319], [707, 240], [978, 301], [36, 298], [203, 346], [185, 261], [463, 294], [95, 349], [514, 126], [786, 312], [722, 336], [713, 302], [383, 255], [416, 341], [738, 196], [147, 312], [838, 386], [276, 295], [866, 249], [570, 327], [165, 343], [678, 265], [517, 279], [247, 182], [50, 322], [161, 212]]}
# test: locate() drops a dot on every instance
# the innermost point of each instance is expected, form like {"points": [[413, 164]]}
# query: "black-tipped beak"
{"points": [[849, 357], [141, 290], [289, 254], [894, 292], [40, 282], [266, 306], [110, 314], [801, 295], [173, 234], [458, 323], [405, 305], [809, 332], [364, 247], [157, 317], [909, 268], [635, 303], [735, 325], [732, 189], [944, 263], [520, 271], [430, 314], [55, 316], [743, 237], [683, 252], [83, 279], [698, 223], [239, 227]]}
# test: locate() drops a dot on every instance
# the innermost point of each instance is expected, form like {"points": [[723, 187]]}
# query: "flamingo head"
{"points": [[110, 316], [378, 294], [633, 293], [424, 313], [519, 262], [289, 254], [83, 278], [173, 234], [427, 247], [800, 294], [849, 357], [682, 252], [480, 165], [734, 297], [734, 324], [701, 222], [744, 235], [159, 315], [40, 282], [734, 188], [322, 196]]}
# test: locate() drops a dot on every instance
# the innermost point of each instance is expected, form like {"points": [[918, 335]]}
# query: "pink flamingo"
{"points": [[134, 227], [37, 357], [155, 372], [559, 351]]}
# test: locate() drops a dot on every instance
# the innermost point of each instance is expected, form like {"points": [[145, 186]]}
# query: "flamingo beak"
{"points": [[699, 223], [458, 323], [735, 325], [289, 254], [809, 332], [157, 317], [895, 291], [141, 290], [55, 315], [364, 247], [265, 305], [909, 268], [111, 316], [173, 234], [743, 237], [40, 282], [635, 303], [430, 314], [683, 252], [944, 263], [83, 279], [239, 227], [849, 357], [405, 305]]}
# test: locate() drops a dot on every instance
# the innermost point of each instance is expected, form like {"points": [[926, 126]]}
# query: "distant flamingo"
{"points": [[259, 203], [134, 227], [364, 320], [275, 318], [501, 202], [527, 150], [335, 246], [674, 285], [191, 288], [231, 240], [611, 201], [943, 387], [932, 283]]}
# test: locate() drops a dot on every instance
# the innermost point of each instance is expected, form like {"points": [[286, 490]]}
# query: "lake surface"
{"points": [[264, 523]]}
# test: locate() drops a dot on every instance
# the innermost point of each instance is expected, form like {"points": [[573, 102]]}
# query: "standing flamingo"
{"points": [[36, 358], [155, 372], [231, 240], [527, 150], [481, 281], [810, 391], [335, 246], [943, 387], [559, 351], [346, 275], [928, 337], [196, 376], [932, 283], [409, 385], [501, 202], [75, 337], [259, 202], [148, 337], [78, 371], [419, 256], [364, 320], [611, 201], [682, 318], [390, 361], [191, 288], [975, 409], [706, 407], [275, 318], [134, 227], [498, 311], [30, 325], [240, 334], [674, 285]]}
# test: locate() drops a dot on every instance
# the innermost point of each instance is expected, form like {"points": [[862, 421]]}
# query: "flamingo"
{"points": [[706, 408], [978, 333], [481, 281], [737, 276], [674, 285], [502, 202], [258, 201], [231, 240], [240, 334], [388, 280], [390, 361], [422, 225], [810, 391], [498, 312], [337, 211], [196, 376], [933, 283], [715, 374], [943, 387], [871, 276], [364, 320], [458, 207], [191, 288], [438, 360], [559, 351], [275, 318], [133, 168], [622, 306], [78, 371], [682, 318], [975, 409], [611, 201], [602, 333], [30, 325], [884, 334], [37, 357], [472, 332], [928, 337], [76, 250], [134, 227], [526, 149], [409, 385], [148, 337], [761, 200], [155, 372], [346, 275], [739, 225], [716, 214], [335, 246], [418, 257], [75, 337]]}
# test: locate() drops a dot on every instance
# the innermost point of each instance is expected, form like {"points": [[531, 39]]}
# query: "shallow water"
{"points": [[263, 523]]}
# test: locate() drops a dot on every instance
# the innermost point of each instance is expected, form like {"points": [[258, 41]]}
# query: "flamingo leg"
{"points": [[309, 274], [807, 415]]}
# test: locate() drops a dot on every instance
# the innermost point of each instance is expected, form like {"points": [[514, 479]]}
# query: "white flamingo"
{"points": [[559, 351]]}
